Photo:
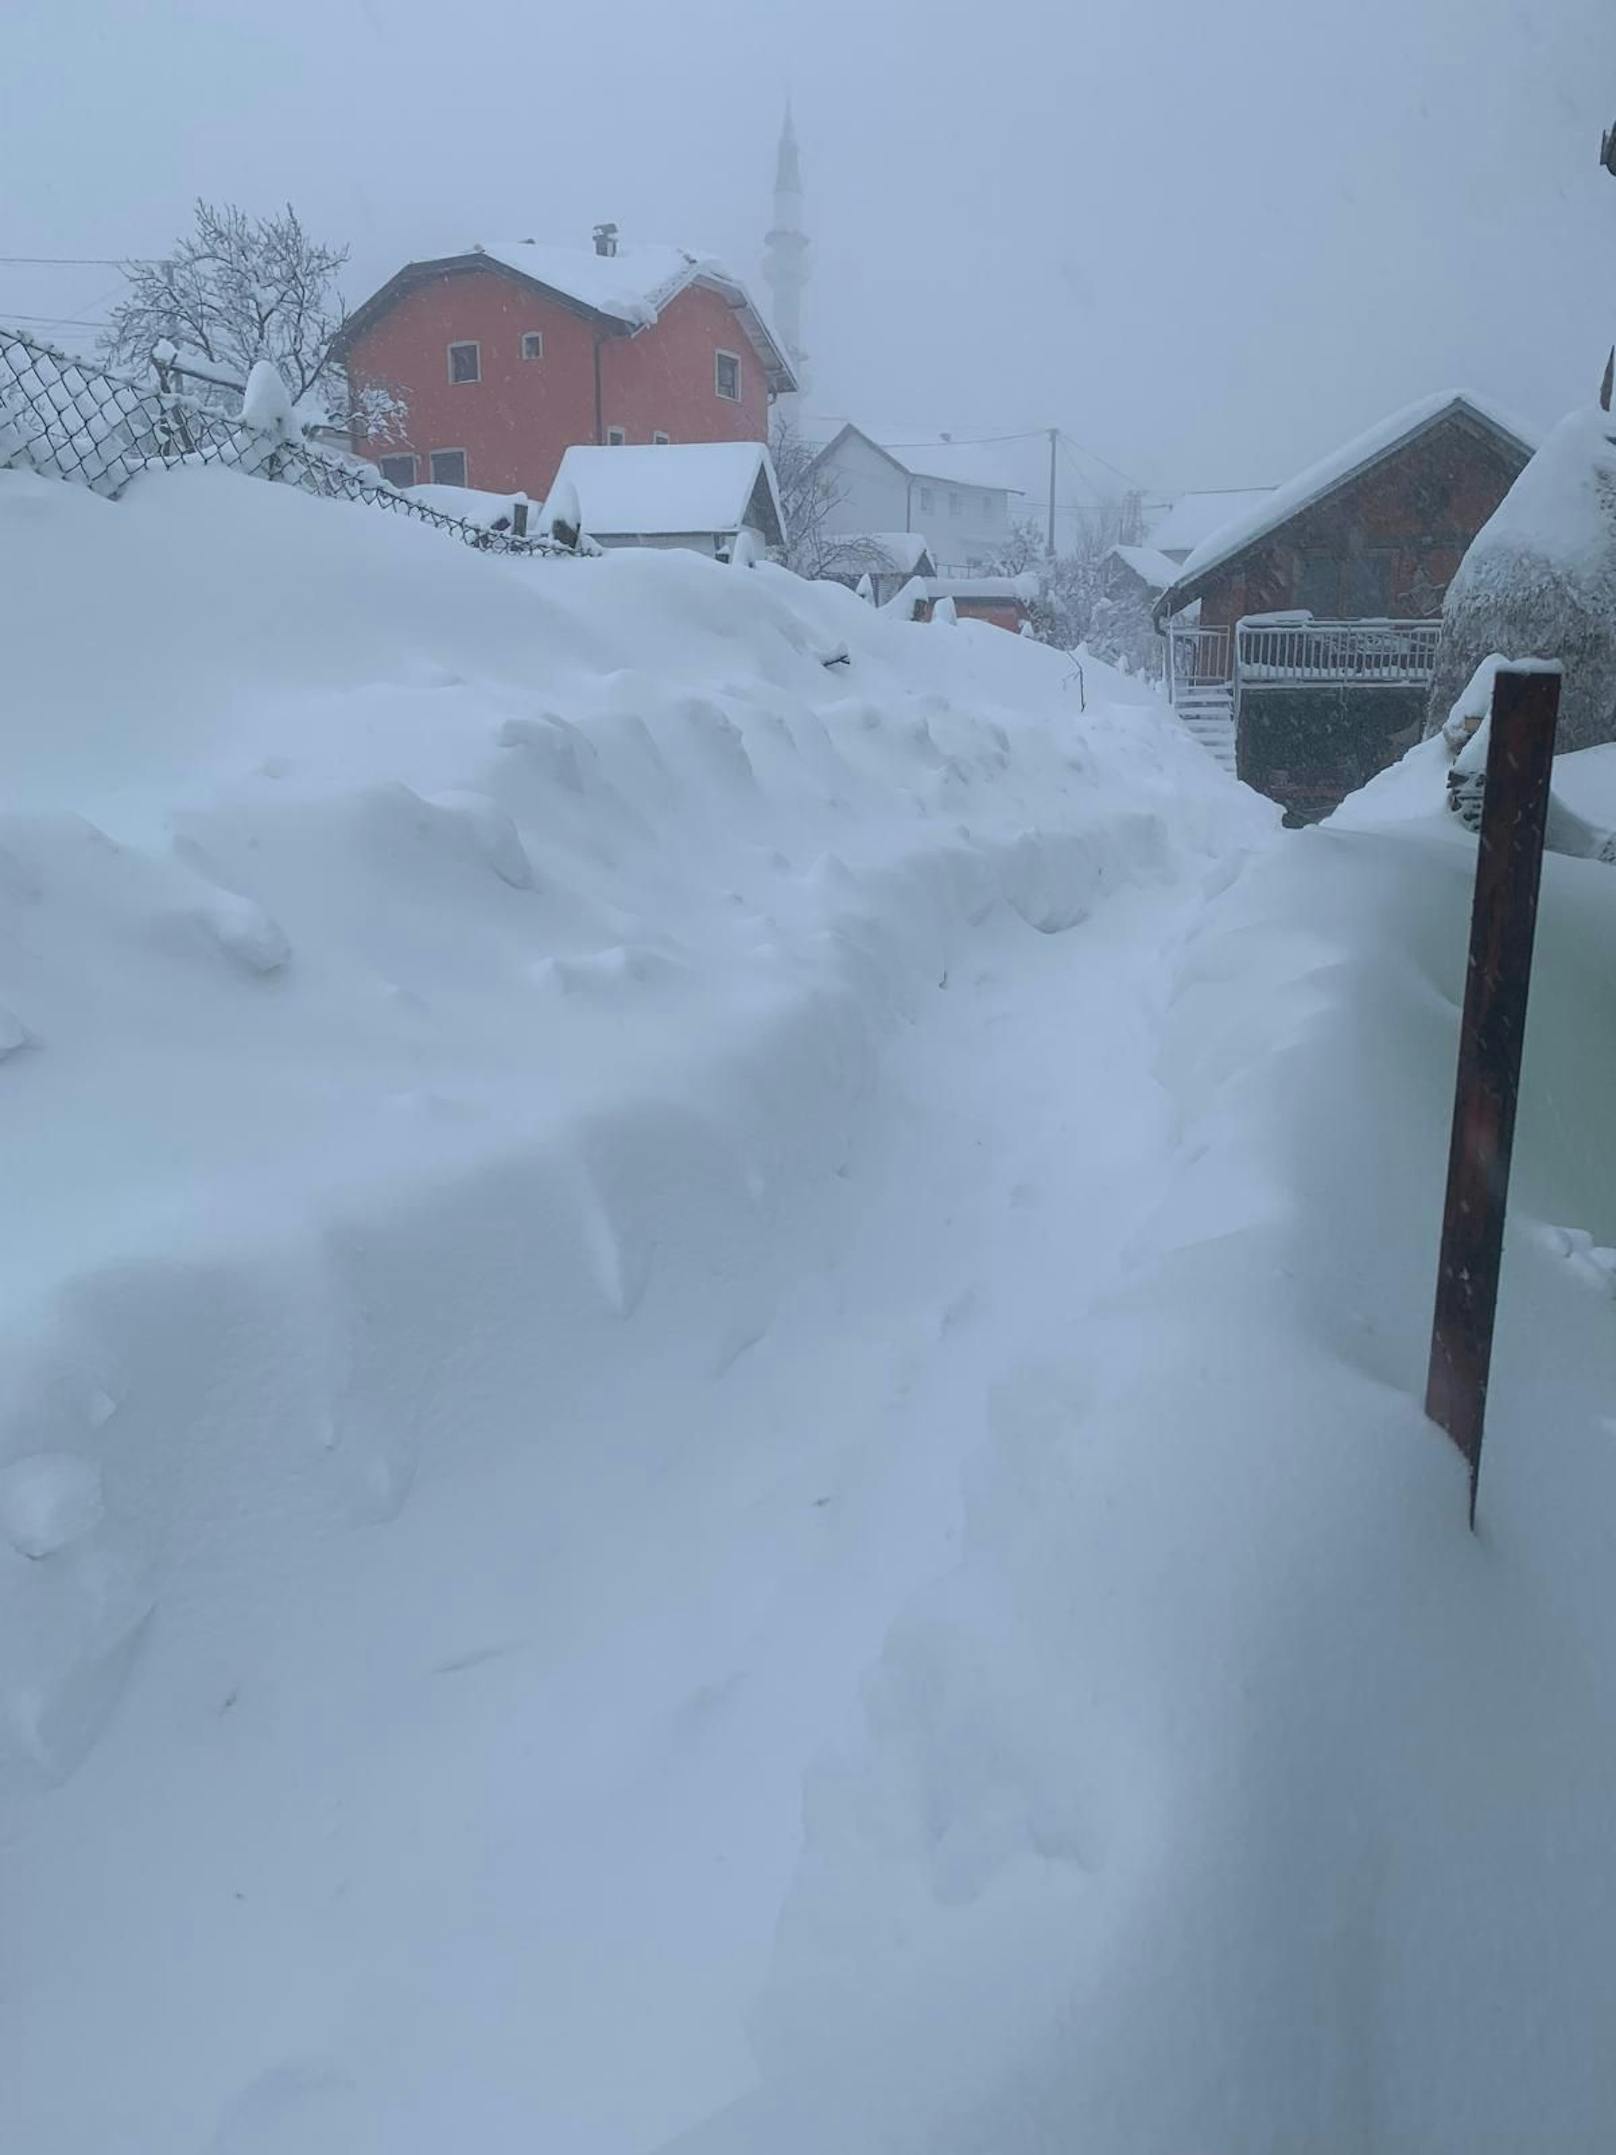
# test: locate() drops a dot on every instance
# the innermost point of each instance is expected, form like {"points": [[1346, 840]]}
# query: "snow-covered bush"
{"points": [[1540, 578]]}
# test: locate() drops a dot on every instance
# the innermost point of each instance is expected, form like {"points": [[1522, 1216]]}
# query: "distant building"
{"points": [[1302, 632], [1004, 602], [1136, 575], [951, 493], [686, 494], [508, 354]]}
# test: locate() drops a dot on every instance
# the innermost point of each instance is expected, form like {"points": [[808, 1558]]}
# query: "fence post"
{"points": [[1503, 921]]}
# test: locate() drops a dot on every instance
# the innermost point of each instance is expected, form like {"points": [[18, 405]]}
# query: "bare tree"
{"points": [[236, 289], [1073, 606], [809, 494]]}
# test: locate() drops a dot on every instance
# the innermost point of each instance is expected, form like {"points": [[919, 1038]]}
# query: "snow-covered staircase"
{"points": [[1207, 709]]}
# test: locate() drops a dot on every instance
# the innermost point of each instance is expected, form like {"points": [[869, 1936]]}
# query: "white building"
{"points": [[951, 493]]}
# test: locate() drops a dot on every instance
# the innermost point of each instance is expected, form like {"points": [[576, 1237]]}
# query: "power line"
{"points": [[56, 321], [1094, 455], [72, 261]]}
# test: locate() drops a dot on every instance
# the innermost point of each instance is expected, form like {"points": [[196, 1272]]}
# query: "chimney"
{"points": [[605, 239]]}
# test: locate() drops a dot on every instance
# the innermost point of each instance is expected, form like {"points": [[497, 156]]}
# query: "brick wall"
{"points": [[515, 421], [1406, 524]]}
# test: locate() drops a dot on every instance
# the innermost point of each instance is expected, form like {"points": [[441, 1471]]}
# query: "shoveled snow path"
{"points": [[560, 1929], [1018, 1138]]}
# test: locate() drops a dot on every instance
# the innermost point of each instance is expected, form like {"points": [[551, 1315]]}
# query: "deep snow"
{"points": [[711, 1374], [546, 1109]]}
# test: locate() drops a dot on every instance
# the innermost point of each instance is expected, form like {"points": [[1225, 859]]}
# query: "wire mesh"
{"points": [[71, 419]]}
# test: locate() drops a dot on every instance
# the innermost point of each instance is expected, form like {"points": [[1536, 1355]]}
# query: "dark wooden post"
{"points": [[1520, 754]]}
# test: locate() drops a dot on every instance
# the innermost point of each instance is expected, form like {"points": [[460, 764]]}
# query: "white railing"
{"points": [[1196, 658], [1366, 654]]}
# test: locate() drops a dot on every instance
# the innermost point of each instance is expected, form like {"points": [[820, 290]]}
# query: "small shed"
{"points": [[1005, 602], [688, 494]]}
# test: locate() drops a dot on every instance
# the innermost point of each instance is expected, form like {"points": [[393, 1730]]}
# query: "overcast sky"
{"points": [[1208, 238]]}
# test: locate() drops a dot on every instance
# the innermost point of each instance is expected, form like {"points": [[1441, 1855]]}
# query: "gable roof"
{"points": [[1184, 523], [674, 488], [626, 291], [1150, 566], [949, 463], [1374, 446]]}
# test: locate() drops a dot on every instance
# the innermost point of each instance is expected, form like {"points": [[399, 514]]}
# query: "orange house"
{"points": [[508, 355]]}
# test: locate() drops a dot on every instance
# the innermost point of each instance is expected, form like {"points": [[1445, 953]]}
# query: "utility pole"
{"points": [[1054, 439]]}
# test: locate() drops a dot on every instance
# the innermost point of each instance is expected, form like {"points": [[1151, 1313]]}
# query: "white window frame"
{"points": [[660, 440], [401, 456], [465, 344], [465, 467], [956, 502], [927, 500], [735, 358], [534, 337], [617, 437]]}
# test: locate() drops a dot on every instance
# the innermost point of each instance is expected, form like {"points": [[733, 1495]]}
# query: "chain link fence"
{"points": [[74, 420]]}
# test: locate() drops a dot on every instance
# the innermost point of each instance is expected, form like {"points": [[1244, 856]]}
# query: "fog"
{"points": [[1206, 241]]}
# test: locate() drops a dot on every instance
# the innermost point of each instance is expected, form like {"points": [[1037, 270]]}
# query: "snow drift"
{"points": [[1229, 1794], [488, 1053]]}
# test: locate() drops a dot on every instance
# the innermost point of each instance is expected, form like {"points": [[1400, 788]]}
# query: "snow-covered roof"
{"points": [[1183, 525], [1281, 503], [630, 287], [901, 551], [917, 451], [1150, 566], [1024, 587], [670, 488], [634, 284]]}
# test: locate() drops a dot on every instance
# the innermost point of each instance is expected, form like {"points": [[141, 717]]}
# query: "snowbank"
{"points": [[476, 1341], [1229, 1794]]}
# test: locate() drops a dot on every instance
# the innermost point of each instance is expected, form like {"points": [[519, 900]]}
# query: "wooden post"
{"points": [[519, 518], [1520, 754]]}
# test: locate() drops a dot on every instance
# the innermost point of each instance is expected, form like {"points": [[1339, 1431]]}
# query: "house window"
{"points": [[465, 363], [955, 505], [533, 344], [727, 375], [448, 467], [615, 437], [399, 470], [659, 441], [925, 498]]}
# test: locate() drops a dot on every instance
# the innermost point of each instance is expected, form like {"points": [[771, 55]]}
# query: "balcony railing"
{"points": [[1360, 654], [1196, 658]]}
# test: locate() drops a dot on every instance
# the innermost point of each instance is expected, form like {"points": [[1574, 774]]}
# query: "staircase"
{"points": [[1207, 709]]}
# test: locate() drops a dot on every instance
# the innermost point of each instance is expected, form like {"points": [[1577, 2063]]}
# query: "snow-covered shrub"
{"points": [[1540, 580]]}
